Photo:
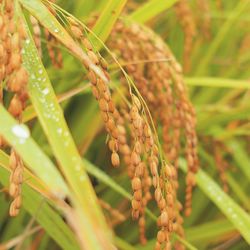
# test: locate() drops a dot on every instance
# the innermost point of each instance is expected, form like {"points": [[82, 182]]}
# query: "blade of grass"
{"points": [[208, 231], [239, 191], [222, 118], [151, 9], [217, 82], [123, 245], [83, 8], [239, 218], [13, 227], [106, 179], [240, 157], [198, 208], [106, 21]]}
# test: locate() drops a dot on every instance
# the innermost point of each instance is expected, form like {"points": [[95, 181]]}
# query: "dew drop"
{"points": [[45, 91], [20, 131]]}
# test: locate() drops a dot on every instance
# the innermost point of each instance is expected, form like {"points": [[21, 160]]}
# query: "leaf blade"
{"points": [[238, 217], [150, 10]]}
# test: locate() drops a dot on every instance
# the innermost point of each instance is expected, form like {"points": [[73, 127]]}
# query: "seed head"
{"points": [[164, 219], [115, 159], [136, 183], [76, 31]]}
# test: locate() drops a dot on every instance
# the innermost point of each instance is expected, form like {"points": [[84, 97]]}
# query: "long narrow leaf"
{"points": [[151, 9], [239, 218], [106, 21], [208, 231], [217, 82], [240, 157]]}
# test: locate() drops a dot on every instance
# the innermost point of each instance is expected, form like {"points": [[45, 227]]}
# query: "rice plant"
{"points": [[124, 124]]}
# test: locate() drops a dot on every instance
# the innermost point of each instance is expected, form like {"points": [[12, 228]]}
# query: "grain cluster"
{"points": [[12, 35], [101, 91], [158, 77], [133, 141]]}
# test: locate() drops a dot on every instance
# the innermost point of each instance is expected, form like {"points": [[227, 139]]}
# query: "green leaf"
{"points": [[106, 179], [240, 157], [123, 245], [106, 21], [208, 231], [238, 217], [217, 82], [239, 191], [151, 9]]}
